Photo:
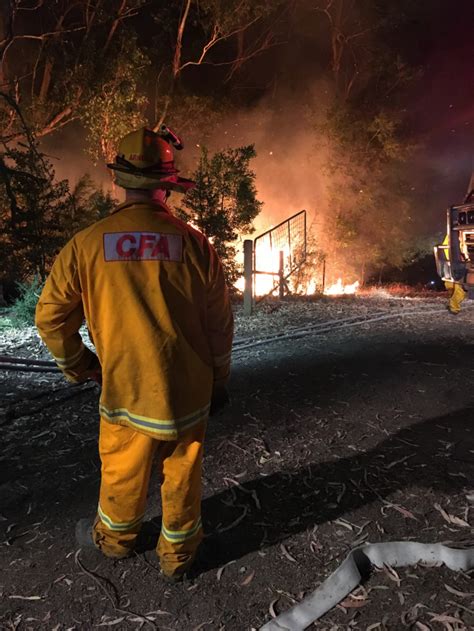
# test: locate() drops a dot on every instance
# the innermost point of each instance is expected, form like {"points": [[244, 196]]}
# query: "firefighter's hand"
{"points": [[219, 400]]}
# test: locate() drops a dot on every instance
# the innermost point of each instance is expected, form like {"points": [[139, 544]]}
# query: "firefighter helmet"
{"points": [[145, 161]]}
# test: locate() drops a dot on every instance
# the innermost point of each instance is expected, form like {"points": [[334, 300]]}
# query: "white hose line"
{"points": [[336, 325], [243, 342], [349, 574]]}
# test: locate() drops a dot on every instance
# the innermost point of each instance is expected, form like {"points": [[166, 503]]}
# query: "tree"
{"points": [[215, 37], [221, 22], [39, 214], [116, 106], [62, 60], [31, 205], [370, 194], [54, 58], [372, 207], [86, 204], [224, 202]]}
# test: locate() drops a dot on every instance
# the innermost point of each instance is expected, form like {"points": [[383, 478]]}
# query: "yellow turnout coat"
{"points": [[152, 291]]}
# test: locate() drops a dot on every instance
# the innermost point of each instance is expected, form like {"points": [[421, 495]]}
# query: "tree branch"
{"points": [[215, 39], [179, 39], [115, 24]]}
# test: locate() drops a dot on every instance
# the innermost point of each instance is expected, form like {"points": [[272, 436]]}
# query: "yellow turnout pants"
{"points": [[456, 296], [127, 458]]}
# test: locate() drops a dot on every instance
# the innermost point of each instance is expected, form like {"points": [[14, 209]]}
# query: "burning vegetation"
{"points": [[330, 130]]}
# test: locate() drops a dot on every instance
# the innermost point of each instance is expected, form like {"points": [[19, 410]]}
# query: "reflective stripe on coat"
{"points": [[153, 293]]}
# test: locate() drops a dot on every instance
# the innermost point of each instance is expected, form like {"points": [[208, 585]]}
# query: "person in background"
{"points": [[153, 294], [456, 291]]}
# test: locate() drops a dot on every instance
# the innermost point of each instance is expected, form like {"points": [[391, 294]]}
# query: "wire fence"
{"points": [[289, 238]]}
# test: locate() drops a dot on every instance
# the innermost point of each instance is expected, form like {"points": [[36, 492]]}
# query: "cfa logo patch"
{"points": [[143, 246]]}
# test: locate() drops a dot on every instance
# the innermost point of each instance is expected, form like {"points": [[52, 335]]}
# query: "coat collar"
{"points": [[152, 205]]}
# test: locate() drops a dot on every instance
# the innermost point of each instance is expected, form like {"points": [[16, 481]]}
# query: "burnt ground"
{"points": [[332, 440]]}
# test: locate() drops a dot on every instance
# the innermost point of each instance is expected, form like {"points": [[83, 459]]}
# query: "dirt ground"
{"points": [[341, 433]]}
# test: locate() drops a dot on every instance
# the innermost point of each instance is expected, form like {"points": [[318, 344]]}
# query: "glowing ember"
{"points": [[339, 289]]}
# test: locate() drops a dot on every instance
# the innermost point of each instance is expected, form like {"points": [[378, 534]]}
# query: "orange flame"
{"points": [[339, 289]]}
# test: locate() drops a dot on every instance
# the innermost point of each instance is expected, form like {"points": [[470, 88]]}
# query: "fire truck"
{"points": [[455, 256]]}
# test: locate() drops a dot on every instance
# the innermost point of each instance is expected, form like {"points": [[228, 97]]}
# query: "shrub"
{"points": [[24, 307]]}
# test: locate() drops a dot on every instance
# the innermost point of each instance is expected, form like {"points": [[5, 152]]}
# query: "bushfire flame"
{"points": [[339, 289], [265, 278]]}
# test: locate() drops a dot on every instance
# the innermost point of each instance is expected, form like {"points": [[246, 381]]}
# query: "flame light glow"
{"points": [[339, 289], [264, 284]]}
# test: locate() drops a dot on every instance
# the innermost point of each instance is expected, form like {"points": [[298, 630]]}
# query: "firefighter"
{"points": [[153, 294], [456, 291]]}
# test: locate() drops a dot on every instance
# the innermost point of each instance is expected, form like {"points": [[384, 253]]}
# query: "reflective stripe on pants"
{"points": [[127, 458]]}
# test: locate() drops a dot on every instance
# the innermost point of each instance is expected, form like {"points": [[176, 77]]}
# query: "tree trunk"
{"points": [[380, 274], [6, 12]]}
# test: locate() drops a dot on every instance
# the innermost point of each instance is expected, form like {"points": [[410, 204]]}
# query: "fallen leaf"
{"points": [[235, 522], [343, 523], [451, 519], [403, 511], [395, 462], [392, 574], [445, 618], [247, 580], [111, 623], [27, 597], [287, 554], [271, 609], [350, 603], [221, 569], [458, 593], [459, 522]]}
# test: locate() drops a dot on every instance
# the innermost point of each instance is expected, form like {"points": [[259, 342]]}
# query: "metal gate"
{"points": [[278, 252], [287, 238]]}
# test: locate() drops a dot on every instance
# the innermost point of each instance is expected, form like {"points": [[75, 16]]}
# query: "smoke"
{"points": [[283, 124], [290, 154], [67, 151]]}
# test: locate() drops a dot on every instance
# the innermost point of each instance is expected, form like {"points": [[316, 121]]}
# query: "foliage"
{"points": [[224, 202], [230, 15], [39, 214], [370, 197], [86, 60], [372, 205], [192, 116], [32, 204], [116, 107], [66, 65], [87, 204], [23, 310]]}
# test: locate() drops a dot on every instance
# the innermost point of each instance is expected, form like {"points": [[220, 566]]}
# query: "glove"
{"points": [[219, 400]]}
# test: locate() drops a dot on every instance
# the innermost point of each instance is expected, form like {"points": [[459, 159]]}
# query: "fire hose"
{"points": [[242, 344], [22, 364], [328, 327], [356, 566]]}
